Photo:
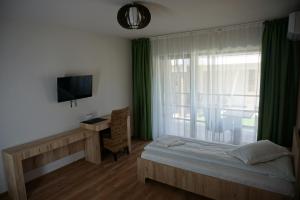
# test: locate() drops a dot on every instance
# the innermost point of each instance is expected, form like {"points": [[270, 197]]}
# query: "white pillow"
{"points": [[260, 151]]}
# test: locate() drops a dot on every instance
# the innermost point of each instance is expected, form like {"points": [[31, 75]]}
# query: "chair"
{"points": [[213, 122], [219, 124], [118, 139]]}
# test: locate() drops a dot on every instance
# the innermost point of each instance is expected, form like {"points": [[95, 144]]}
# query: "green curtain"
{"points": [[141, 76], [279, 84]]}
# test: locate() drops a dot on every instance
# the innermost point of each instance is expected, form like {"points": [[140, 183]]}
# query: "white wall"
{"points": [[32, 57]]}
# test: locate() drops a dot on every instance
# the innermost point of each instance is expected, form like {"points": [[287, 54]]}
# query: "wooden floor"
{"points": [[110, 180]]}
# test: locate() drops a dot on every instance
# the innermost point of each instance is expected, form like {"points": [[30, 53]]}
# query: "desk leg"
{"points": [[15, 177], [92, 149]]}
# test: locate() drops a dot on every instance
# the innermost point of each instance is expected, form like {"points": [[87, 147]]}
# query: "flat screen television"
{"points": [[74, 87]]}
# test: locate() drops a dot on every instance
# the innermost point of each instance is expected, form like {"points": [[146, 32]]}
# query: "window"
{"points": [[252, 80], [226, 100], [223, 99], [206, 86]]}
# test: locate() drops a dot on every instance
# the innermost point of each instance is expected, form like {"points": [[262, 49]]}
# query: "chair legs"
{"points": [[115, 154]]}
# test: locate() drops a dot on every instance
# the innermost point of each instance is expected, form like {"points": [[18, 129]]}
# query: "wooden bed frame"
{"points": [[212, 187]]}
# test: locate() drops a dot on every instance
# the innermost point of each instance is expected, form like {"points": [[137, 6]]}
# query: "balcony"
{"points": [[233, 120]]}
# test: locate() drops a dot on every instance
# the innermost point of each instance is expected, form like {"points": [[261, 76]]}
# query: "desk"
{"points": [[96, 127], [25, 157]]}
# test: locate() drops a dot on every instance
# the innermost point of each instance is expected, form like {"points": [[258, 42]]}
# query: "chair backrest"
{"points": [[119, 125]]}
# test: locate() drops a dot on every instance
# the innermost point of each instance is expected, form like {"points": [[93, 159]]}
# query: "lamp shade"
{"points": [[134, 16]]}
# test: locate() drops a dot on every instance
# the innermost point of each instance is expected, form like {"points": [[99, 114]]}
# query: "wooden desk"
{"points": [[25, 157], [96, 127]]}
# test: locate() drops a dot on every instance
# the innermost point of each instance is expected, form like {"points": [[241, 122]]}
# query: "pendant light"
{"points": [[134, 16]]}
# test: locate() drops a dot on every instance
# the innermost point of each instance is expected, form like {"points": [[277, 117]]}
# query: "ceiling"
{"points": [[168, 16]]}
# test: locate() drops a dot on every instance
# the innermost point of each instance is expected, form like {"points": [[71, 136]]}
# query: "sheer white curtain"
{"points": [[206, 84]]}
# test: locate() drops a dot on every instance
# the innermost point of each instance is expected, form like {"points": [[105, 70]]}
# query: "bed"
{"points": [[206, 169]]}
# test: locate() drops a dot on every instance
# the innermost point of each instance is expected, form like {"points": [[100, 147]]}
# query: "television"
{"points": [[74, 87]]}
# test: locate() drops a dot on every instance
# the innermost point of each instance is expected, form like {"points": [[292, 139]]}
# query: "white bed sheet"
{"points": [[211, 159]]}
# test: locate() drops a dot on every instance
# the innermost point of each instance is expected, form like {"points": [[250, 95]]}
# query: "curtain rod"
{"points": [[217, 28]]}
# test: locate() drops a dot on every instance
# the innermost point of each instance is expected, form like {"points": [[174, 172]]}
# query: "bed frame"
{"points": [[212, 187]]}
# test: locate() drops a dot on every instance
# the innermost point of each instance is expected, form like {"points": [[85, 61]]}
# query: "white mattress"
{"points": [[211, 159]]}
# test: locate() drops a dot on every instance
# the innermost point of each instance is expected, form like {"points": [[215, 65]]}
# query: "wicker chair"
{"points": [[118, 132]]}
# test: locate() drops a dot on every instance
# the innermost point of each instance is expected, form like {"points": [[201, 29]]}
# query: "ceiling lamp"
{"points": [[134, 16]]}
